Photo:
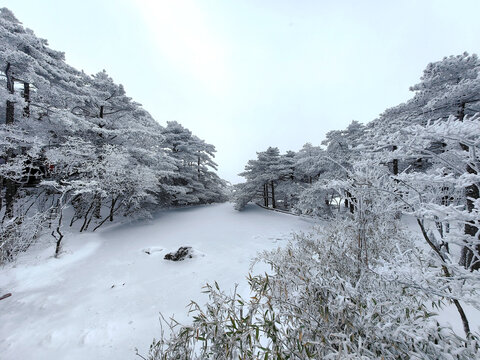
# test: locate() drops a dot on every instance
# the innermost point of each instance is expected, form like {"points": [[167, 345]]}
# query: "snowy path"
{"points": [[67, 308]]}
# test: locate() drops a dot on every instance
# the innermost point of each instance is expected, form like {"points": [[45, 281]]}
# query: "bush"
{"points": [[18, 234], [322, 301]]}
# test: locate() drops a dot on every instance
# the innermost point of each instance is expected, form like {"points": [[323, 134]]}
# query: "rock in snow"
{"points": [[182, 253]]}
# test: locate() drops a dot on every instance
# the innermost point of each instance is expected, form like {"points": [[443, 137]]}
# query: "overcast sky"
{"points": [[248, 74]]}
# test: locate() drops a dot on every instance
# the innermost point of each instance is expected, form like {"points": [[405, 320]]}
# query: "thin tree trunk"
{"points": [[51, 212], [10, 115], [112, 207], [443, 227], [10, 185], [394, 162], [10, 112], [75, 216], [469, 257], [85, 223], [1, 187], [97, 211], [274, 205], [106, 218], [26, 96], [60, 235], [349, 202], [266, 194], [198, 166], [466, 325], [88, 222], [10, 192]]}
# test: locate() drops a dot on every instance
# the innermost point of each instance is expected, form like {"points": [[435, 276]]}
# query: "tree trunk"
{"points": [[394, 162], [26, 96], [58, 245], [10, 115], [266, 194], [76, 207], [446, 272], [198, 167], [469, 257], [10, 185], [101, 112], [85, 219], [1, 198], [10, 192], [97, 212], [112, 208], [349, 202], [273, 195]]}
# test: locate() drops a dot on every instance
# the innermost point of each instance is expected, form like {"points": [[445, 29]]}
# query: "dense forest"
{"points": [[77, 141]]}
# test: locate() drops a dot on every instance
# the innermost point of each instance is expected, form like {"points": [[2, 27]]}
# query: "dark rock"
{"points": [[182, 253]]}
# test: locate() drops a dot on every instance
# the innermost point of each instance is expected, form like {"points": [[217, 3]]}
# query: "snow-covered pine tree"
{"points": [[70, 139], [195, 180]]}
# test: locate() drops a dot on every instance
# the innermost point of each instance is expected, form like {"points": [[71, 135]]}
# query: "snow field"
{"points": [[102, 297]]}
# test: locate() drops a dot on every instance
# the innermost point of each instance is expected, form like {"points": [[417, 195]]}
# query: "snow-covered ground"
{"points": [[102, 297]]}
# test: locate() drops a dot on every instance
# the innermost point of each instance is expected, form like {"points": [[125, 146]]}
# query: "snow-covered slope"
{"points": [[102, 297]]}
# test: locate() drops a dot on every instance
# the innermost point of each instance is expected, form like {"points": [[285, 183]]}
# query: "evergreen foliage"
{"points": [[70, 140]]}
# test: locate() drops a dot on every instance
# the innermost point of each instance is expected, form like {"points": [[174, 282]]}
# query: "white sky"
{"points": [[248, 74]]}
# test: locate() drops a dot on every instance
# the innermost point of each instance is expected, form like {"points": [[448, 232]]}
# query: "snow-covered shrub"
{"points": [[18, 234], [320, 302], [314, 200]]}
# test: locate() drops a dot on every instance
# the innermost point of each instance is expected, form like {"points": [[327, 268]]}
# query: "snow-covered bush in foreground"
{"points": [[321, 302]]}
